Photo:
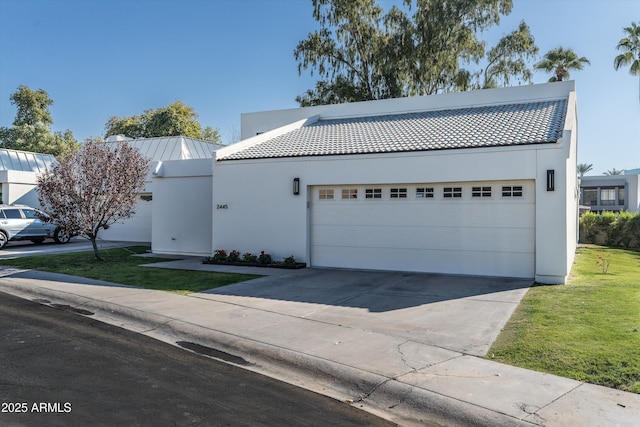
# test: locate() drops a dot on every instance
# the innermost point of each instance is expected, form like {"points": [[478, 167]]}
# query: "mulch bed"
{"points": [[293, 266]]}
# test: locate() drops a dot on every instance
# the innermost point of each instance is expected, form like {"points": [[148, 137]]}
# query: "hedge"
{"points": [[611, 228]]}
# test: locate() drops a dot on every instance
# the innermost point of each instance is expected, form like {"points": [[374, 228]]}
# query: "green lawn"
{"points": [[120, 266], [588, 330]]}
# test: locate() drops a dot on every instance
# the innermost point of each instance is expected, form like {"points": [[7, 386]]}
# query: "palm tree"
{"points": [[584, 168], [630, 48], [613, 171], [560, 61]]}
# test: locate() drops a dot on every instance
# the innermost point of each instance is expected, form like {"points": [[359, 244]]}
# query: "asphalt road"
{"points": [[59, 368]]}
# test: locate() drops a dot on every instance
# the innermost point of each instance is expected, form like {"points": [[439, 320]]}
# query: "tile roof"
{"points": [[471, 127]]}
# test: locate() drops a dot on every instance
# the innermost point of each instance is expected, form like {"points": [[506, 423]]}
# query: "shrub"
{"points": [[617, 227], [290, 260], [220, 255], [590, 225], [249, 258], [233, 256], [264, 258], [632, 228], [625, 237], [607, 225]]}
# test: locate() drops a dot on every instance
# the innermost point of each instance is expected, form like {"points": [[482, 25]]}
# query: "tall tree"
{"points": [[94, 188], [584, 168], [438, 37], [629, 46], [31, 130], [614, 171], [349, 52], [508, 58], [560, 61], [177, 119], [417, 48]]}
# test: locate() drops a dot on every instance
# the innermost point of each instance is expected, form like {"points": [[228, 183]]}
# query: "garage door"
{"points": [[134, 229], [458, 228]]}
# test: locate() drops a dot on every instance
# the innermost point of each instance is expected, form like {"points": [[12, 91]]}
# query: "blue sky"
{"points": [[100, 58]]}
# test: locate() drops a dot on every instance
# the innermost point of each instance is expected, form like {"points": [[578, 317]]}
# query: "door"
{"points": [[485, 228]]}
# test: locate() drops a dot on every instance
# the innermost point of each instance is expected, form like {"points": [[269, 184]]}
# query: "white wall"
{"points": [[263, 213], [19, 187], [182, 208]]}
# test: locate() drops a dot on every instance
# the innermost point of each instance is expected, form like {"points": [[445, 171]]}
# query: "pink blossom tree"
{"points": [[94, 188]]}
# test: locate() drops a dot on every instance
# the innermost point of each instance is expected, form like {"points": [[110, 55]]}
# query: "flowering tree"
{"points": [[94, 188]]}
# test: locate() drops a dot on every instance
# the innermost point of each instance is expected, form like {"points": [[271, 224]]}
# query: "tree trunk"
{"points": [[95, 248]]}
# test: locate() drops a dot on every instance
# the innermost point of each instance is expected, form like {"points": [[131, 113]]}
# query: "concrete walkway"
{"points": [[403, 346]]}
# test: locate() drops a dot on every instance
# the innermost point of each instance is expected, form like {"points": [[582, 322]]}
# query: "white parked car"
{"points": [[19, 222]]}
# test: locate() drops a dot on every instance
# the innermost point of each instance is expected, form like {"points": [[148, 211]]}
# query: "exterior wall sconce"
{"points": [[551, 180], [296, 186]]}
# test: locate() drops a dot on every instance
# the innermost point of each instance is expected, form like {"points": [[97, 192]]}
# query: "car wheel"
{"points": [[61, 236], [38, 241], [3, 239]]}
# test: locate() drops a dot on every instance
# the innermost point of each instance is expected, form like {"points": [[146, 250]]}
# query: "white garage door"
{"points": [[458, 228], [134, 229]]}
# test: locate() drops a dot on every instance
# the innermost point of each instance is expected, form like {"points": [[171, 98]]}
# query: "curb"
{"points": [[384, 397]]}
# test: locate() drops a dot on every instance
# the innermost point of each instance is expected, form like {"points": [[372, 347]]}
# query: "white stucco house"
{"points": [[477, 183], [177, 190], [19, 171]]}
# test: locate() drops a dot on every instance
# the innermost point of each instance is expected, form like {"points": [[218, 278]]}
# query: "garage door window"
{"points": [[350, 193], [373, 193], [424, 193], [512, 191], [326, 194], [452, 192], [398, 193], [480, 191]]}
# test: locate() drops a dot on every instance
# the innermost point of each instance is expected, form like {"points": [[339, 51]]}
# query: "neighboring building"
{"points": [[611, 192], [179, 182], [478, 183], [19, 172]]}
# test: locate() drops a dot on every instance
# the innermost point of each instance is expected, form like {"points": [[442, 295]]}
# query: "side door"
{"points": [[13, 222], [34, 225]]}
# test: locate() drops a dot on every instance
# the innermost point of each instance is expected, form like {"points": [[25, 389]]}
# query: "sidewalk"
{"points": [[377, 369]]}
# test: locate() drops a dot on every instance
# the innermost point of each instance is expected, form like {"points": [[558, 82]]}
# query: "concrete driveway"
{"points": [[459, 313]]}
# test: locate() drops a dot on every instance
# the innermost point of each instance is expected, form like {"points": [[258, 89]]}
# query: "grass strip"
{"points": [[120, 266], [588, 329]]}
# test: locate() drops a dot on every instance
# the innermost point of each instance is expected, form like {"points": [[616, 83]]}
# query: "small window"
{"points": [[449, 192], [349, 193], [480, 191], [590, 196], [424, 193], [373, 193], [512, 191], [621, 196], [29, 213], [326, 194], [398, 193], [12, 213], [607, 196]]}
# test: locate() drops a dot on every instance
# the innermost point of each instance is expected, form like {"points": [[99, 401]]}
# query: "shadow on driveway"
{"points": [[376, 291]]}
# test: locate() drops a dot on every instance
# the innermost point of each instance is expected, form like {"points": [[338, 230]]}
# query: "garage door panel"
{"points": [[507, 264], [435, 238], [420, 214], [486, 236]]}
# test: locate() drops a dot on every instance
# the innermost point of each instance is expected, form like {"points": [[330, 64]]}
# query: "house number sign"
{"points": [[222, 206]]}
